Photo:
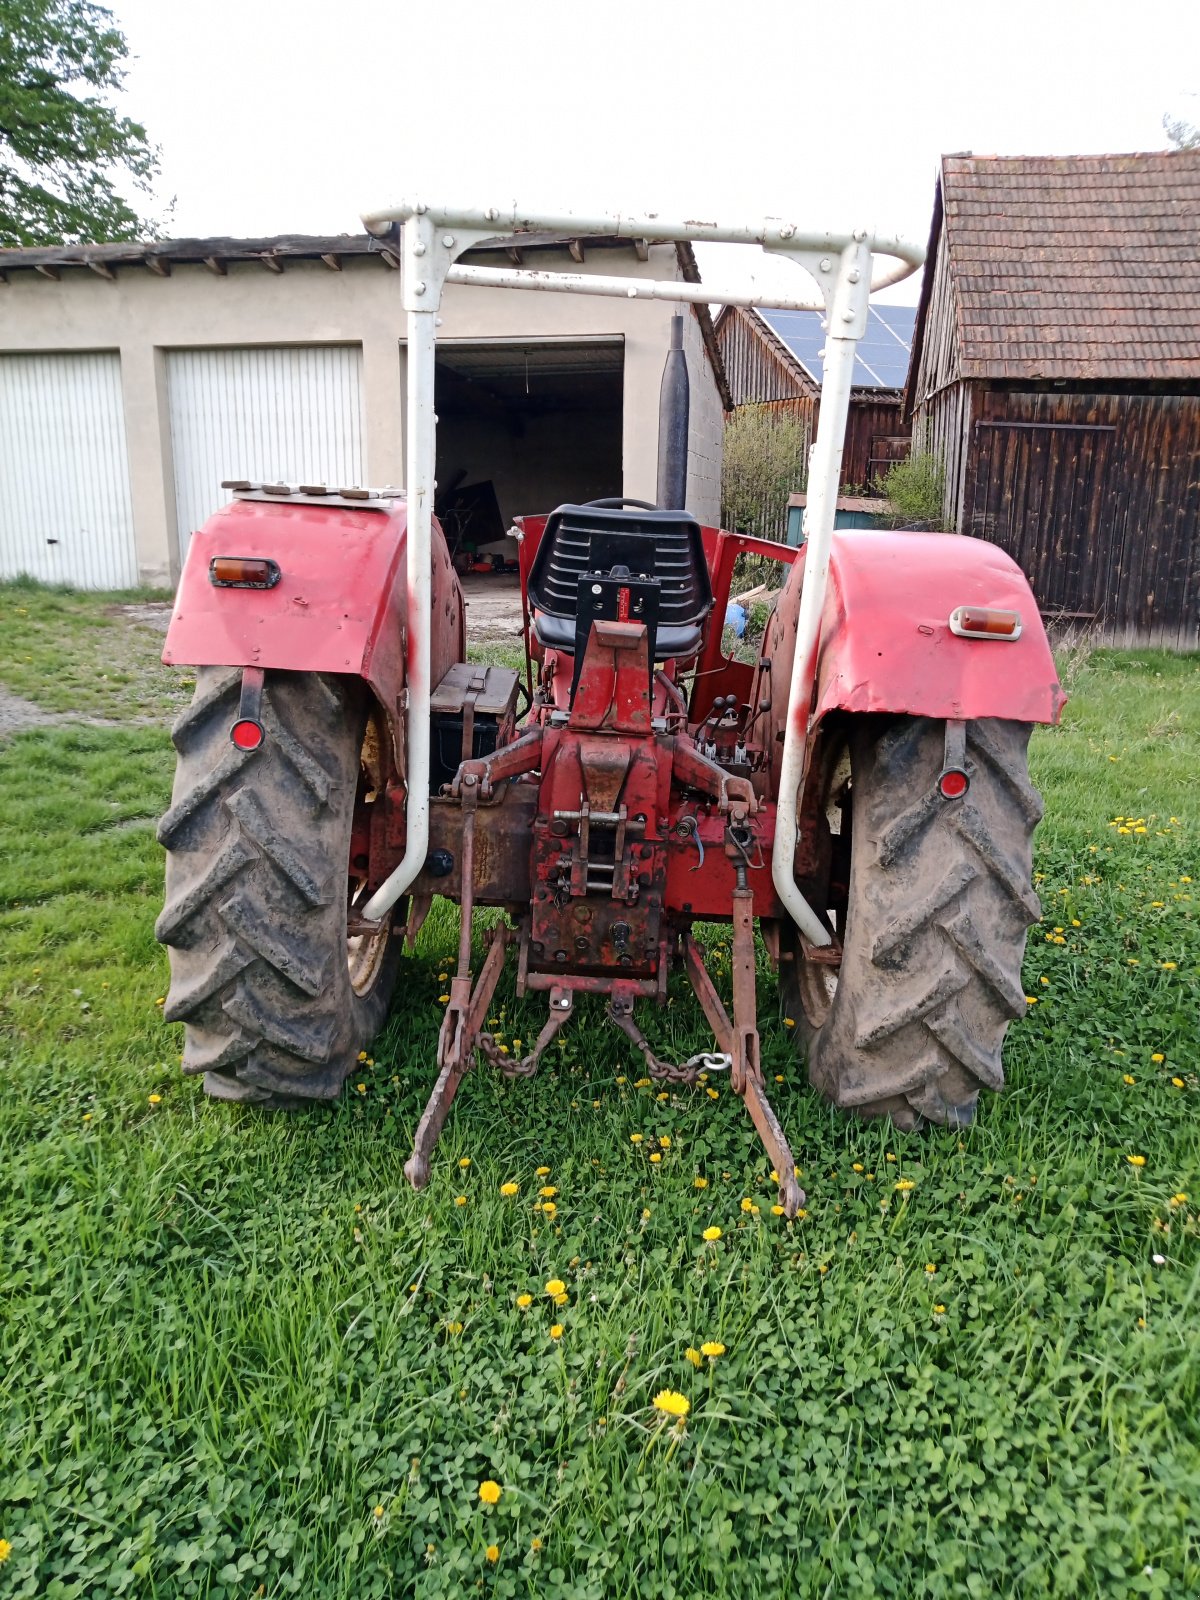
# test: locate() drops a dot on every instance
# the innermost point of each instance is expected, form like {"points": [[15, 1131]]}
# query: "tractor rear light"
{"points": [[247, 734], [979, 622], [953, 783], [242, 572]]}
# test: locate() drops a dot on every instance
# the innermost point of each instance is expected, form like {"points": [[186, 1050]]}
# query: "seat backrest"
{"points": [[665, 545]]}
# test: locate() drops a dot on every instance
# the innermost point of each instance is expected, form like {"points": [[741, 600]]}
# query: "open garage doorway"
{"points": [[522, 427]]}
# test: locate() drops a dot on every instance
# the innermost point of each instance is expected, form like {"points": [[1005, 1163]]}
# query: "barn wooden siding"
{"points": [[1095, 496], [876, 434], [758, 364]]}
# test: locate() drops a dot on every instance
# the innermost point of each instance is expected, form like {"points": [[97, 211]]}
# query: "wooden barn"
{"points": [[1056, 374], [771, 357]]}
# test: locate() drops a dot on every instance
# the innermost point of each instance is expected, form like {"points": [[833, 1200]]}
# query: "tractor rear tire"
{"points": [[911, 1025], [277, 1001]]}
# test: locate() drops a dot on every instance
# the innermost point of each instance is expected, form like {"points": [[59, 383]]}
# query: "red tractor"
{"points": [[861, 793]]}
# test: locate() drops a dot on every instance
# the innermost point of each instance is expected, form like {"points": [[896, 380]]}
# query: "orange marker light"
{"points": [[980, 622], [242, 572]]}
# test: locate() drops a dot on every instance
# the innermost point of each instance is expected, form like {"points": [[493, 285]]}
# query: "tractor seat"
{"points": [[582, 541]]}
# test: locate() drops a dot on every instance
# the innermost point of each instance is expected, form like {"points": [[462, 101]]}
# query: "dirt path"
{"points": [[493, 609]]}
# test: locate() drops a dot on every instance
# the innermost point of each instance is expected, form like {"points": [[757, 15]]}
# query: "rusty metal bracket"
{"points": [[458, 1061], [752, 1090]]}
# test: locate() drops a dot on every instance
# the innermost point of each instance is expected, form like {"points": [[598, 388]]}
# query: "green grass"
{"points": [[228, 1338], [70, 651]]}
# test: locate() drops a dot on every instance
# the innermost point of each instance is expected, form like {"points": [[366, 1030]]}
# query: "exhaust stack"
{"points": [[673, 408]]}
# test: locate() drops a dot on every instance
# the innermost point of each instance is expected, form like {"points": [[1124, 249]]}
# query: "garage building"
{"points": [[135, 377]]}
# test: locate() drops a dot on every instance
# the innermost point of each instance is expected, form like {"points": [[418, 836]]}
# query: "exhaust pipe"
{"points": [[674, 400]]}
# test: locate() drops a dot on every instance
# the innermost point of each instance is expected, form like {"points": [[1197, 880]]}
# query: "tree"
{"points": [[62, 145], [1181, 135]]}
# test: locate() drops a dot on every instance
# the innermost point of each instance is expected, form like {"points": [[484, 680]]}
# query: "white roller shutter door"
{"points": [[65, 510], [278, 414]]}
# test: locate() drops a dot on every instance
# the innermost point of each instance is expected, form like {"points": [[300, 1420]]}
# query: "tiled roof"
{"points": [[1075, 267]]}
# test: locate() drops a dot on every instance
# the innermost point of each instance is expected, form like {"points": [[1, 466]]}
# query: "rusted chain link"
{"points": [[511, 1067]]}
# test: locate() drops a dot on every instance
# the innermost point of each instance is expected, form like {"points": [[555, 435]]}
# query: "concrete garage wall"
{"points": [[143, 316]]}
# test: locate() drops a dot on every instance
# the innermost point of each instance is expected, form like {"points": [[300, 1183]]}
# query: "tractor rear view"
{"points": [[859, 798]]}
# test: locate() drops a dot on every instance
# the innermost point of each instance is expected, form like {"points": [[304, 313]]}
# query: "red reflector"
{"points": [[954, 783], [243, 572], [247, 734], [979, 622]]}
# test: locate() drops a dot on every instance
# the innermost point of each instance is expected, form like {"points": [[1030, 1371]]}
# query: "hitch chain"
{"points": [[510, 1066]]}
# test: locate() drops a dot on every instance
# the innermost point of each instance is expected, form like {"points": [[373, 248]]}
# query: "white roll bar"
{"points": [[842, 266]]}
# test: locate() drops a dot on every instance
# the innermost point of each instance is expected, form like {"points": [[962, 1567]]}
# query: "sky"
{"points": [[294, 118]]}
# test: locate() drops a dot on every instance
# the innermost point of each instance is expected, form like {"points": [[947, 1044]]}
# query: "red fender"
{"points": [[886, 639], [339, 605]]}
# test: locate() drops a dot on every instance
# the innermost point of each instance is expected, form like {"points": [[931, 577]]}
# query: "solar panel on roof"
{"points": [[881, 360]]}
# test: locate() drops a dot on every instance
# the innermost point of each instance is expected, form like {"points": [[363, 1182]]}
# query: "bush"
{"points": [[766, 459], [915, 490]]}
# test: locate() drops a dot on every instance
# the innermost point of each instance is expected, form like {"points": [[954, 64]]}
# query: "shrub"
{"points": [[766, 459], [915, 490]]}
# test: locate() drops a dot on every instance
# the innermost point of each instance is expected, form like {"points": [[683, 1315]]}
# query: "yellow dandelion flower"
{"points": [[712, 1234], [1136, 1161], [779, 1077], [858, 1166], [789, 1022], [1031, 999], [665, 1142], [555, 1286], [361, 1087], [490, 1491], [362, 1055], [939, 1310], [636, 1138], [5, 1549], [1167, 966], [560, 1299], [713, 1094], [712, 1348], [656, 1156], [535, 1545], [672, 1403], [542, 1172], [509, 1189], [1178, 1082], [889, 1156], [1045, 981], [549, 1209], [1179, 1199], [823, 1268], [1128, 1078], [548, 1191], [516, 1044], [1158, 1056], [699, 1183], [492, 1552], [556, 1331], [154, 1099], [904, 1185], [443, 999], [747, 1203], [621, 1079], [524, 1301], [641, 1083], [460, 1199], [645, 1213], [161, 1001], [776, 1211], [454, 1328], [801, 1214], [692, 1355], [930, 1267]]}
